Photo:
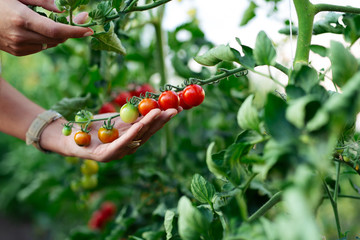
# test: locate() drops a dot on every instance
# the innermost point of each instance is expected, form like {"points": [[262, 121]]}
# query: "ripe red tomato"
{"points": [[193, 95], [107, 135], [169, 99], [82, 138], [107, 108], [182, 102], [146, 105], [97, 220], [108, 209], [142, 89], [122, 97]]}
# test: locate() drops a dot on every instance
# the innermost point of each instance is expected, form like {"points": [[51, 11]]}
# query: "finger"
{"points": [[28, 49], [47, 4], [51, 29], [30, 37], [81, 18], [154, 125], [127, 137]]}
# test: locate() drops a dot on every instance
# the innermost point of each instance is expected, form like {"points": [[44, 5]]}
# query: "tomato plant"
{"points": [[122, 98], [83, 116], [129, 113], [107, 108], [89, 167], [146, 105], [169, 99], [82, 138]]}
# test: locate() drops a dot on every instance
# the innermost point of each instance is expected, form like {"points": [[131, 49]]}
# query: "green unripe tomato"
{"points": [[89, 182], [129, 113], [66, 131], [83, 116], [89, 167], [346, 159], [72, 160], [75, 185]]}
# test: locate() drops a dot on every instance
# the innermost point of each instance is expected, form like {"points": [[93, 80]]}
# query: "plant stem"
{"points": [[345, 196], [71, 16], [334, 206], [336, 192], [323, 7], [146, 7], [305, 13], [269, 204]]}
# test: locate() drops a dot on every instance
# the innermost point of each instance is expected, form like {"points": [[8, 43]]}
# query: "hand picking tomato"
{"points": [[82, 138], [122, 98], [146, 105], [107, 135], [83, 116], [182, 102], [89, 167], [107, 108], [193, 95], [129, 113], [169, 99]]}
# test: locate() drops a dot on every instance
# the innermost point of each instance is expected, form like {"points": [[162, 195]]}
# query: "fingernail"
{"points": [[89, 33]]}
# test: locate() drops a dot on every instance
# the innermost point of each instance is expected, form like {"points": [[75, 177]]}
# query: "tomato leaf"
{"points": [[169, 223], [215, 162], [216, 55], [248, 14], [275, 120], [103, 9], [320, 50], [352, 29], [202, 190], [264, 52], [344, 64], [247, 116], [69, 106], [304, 77], [193, 224], [301, 110], [108, 41]]}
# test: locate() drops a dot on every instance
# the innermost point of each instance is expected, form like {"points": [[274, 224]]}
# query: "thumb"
{"points": [[81, 18], [47, 4]]}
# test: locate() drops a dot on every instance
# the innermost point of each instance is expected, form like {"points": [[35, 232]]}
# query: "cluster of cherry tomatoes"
{"points": [[103, 215], [89, 178], [134, 103]]}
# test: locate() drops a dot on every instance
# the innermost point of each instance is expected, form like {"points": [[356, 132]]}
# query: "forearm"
{"points": [[17, 114]]}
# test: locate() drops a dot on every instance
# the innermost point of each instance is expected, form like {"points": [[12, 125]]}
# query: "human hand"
{"points": [[131, 136], [24, 32]]}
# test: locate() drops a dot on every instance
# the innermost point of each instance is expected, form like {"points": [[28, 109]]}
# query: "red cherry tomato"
{"points": [[193, 95], [107, 135], [182, 102], [142, 89], [146, 105], [107, 108], [122, 97], [82, 138], [169, 99], [97, 220], [108, 209]]}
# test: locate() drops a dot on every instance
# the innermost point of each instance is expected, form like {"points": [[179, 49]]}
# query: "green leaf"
{"points": [[247, 116], [247, 60], [202, 190], [305, 77], [69, 106], [320, 50], [302, 110], [103, 9], [352, 29], [330, 24], [216, 55], [108, 41], [215, 162], [117, 4], [264, 52], [248, 14], [343, 63], [276, 122], [249, 137], [192, 224], [168, 223]]}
